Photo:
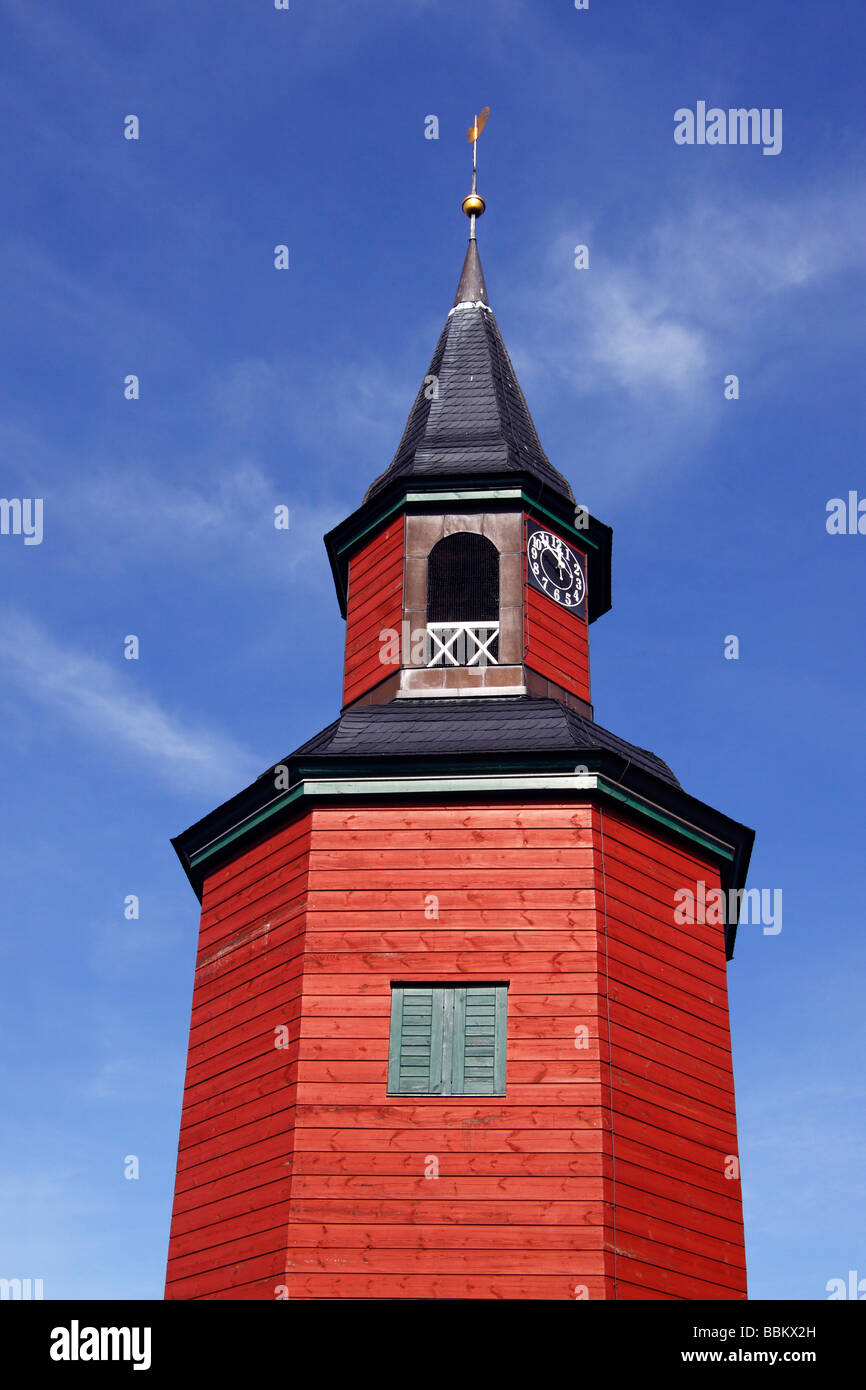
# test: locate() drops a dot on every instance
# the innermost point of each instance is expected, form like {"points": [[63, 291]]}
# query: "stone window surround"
{"points": [[505, 530]]}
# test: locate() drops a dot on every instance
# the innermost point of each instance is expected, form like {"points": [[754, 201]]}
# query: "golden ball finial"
{"points": [[473, 205]]}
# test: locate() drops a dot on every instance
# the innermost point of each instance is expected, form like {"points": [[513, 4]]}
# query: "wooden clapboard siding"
{"points": [[237, 1127], [676, 1219], [601, 1168], [556, 640], [516, 903], [375, 602]]}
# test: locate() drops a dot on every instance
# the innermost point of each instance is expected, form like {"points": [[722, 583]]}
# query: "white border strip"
{"points": [[469, 691], [360, 786]]}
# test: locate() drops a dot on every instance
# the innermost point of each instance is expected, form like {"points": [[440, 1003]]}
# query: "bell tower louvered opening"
{"points": [[463, 601]]}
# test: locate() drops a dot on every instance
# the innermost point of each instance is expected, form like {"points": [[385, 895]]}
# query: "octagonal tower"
{"points": [[448, 1036]]}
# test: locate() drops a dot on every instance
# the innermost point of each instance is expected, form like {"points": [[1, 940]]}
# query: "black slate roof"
{"points": [[484, 734], [482, 725], [479, 423]]}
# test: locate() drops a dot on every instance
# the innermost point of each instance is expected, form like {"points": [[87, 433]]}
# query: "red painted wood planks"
{"points": [[306, 1173], [375, 603]]}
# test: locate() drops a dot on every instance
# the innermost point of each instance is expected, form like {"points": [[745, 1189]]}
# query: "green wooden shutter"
{"points": [[417, 1026], [479, 1036], [448, 1040]]}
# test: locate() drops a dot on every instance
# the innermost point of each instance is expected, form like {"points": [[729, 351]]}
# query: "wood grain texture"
{"points": [[603, 1165], [677, 1229], [234, 1169], [515, 901], [375, 602]]}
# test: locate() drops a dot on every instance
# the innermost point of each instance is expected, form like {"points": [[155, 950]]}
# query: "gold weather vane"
{"points": [[473, 203]]}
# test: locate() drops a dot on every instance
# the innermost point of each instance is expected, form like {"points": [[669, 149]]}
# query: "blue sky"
{"points": [[260, 387]]}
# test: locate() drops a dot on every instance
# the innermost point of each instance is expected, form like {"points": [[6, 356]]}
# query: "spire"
{"points": [[470, 420], [472, 289]]}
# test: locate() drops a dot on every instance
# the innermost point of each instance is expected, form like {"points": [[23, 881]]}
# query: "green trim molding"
{"points": [[469, 784], [511, 494]]}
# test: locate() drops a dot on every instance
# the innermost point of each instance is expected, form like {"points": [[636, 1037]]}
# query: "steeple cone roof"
{"points": [[470, 417], [472, 289]]}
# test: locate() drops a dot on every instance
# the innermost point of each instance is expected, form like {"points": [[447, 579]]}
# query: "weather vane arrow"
{"points": [[473, 203]]}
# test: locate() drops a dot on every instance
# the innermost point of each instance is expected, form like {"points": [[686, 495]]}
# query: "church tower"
{"points": [[454, 1034]]}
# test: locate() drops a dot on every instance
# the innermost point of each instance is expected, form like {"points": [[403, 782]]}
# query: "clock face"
{"points": [[556, 569]]}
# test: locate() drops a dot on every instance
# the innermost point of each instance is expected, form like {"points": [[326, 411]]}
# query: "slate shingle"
{"points": [[479, 421], [463, 726]]}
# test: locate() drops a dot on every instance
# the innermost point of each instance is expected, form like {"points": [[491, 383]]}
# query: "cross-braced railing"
{"points": [[462, 644]]}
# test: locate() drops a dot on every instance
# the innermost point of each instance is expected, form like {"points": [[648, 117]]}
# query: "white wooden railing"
{"points": [[462, 644]]}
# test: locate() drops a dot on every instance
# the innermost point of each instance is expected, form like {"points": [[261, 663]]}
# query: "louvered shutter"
{"points": [[478, 1062], [447, 1040], [417, 1026]]}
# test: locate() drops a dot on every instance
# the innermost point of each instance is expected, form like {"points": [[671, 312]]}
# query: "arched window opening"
{"points": [[463, 601]]}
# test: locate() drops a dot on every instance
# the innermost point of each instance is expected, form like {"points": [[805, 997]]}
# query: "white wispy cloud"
{"points": [[223, 523], [89, 695], [711, 288], [704, 276], [638, 341]]}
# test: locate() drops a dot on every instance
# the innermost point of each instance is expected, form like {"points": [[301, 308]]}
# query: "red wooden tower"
{"points": [[448, 1036]]}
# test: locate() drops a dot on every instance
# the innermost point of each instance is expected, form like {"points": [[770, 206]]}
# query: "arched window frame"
{"points": [[463, 598]]}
